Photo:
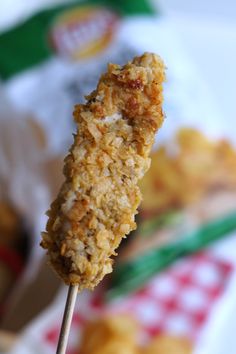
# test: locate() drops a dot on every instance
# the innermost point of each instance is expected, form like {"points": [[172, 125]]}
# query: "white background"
{"points": [[208, 31]]}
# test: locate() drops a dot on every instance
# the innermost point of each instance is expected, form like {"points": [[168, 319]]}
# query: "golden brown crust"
{"points": [[97, 203]]}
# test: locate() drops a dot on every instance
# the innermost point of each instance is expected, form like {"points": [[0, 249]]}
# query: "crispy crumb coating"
{"points": [[96, 205]]}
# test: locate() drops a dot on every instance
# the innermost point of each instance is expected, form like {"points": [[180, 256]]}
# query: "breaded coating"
{"points": [[97, 203], [110, 335]]}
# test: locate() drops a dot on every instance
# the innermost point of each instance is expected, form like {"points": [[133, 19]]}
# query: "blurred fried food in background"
{"points": [[9, 224], [110, 335], [166, 344], [13, 248], [116, 334], [186, 170]]}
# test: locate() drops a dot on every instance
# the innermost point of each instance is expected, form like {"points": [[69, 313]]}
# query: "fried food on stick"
{"points": [[96, 205]]}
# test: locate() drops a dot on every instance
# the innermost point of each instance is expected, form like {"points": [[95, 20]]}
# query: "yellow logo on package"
{"points": [[83, 32]]}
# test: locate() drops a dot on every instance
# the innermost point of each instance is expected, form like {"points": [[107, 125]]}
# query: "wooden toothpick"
{"points": [[67, 317]]}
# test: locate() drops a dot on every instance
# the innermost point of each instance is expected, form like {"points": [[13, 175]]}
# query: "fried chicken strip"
{"points": [[96, 205]]}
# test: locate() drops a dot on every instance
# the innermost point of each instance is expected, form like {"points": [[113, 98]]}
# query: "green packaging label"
{"points": [[77, 30]]}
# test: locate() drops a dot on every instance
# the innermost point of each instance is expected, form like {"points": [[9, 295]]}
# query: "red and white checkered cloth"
{"points": [[177, 301]]}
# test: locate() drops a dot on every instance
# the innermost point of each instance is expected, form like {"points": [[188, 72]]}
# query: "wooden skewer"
{"points": [[67, 317]]}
